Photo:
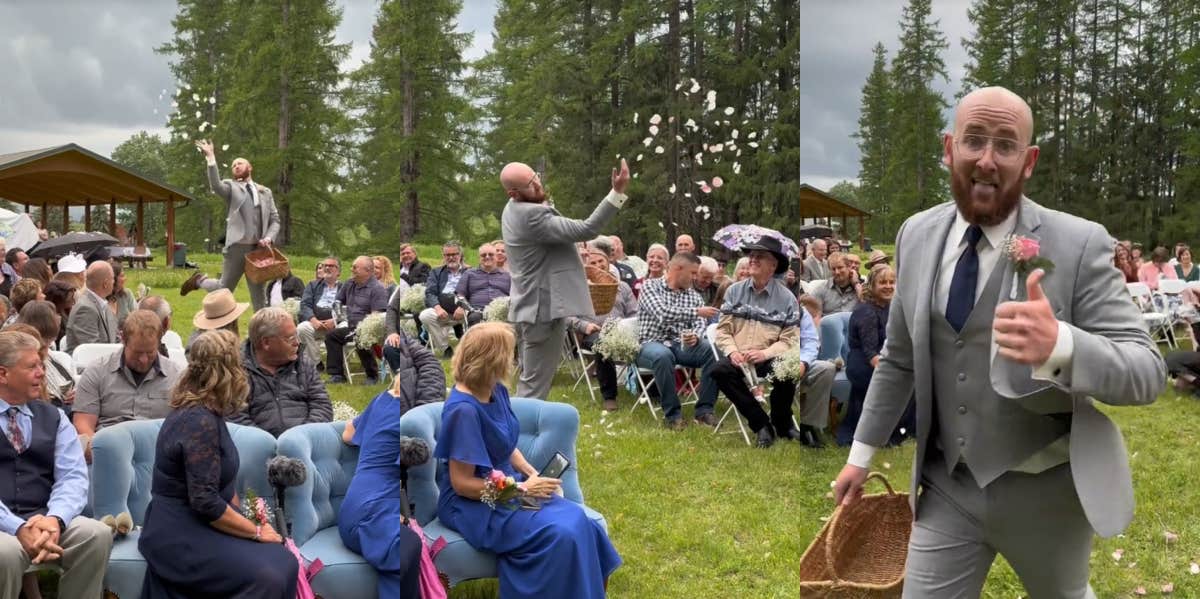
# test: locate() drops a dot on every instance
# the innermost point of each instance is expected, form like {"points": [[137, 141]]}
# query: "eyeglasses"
{"points": [[327, 266], [973, 145], [450, 255], [290, 339], [487, 255]]}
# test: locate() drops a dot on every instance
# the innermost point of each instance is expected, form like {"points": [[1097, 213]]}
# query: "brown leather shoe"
{"points": [[708, 419], [192, 284], [610, 405], [676, 425]]}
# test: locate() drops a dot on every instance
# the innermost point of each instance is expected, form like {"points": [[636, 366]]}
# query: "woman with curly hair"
{"points": [[196, 541]]}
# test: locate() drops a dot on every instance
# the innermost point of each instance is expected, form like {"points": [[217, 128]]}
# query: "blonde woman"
{"points": [[555, 551], [383, 272], [195, 540]]}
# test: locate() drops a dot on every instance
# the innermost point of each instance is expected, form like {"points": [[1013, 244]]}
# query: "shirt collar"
{"points": [[120, 365], [994, 234], [23, 408]]}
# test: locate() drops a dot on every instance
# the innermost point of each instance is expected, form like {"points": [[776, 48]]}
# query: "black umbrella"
{"points": [[80, 243], [815, 231]]}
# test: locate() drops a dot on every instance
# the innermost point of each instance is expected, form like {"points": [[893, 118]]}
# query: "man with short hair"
{"points": [[252, 222], [482, 284], [285, 388], [360, 296], [43, 483], [685, 243], [705, 283], [159, 306], [620, 257], [134, 383], [671, 319], [815, 266], [440, 306], [91, 320], [760, 322], [316, 309], [412, 270], [587, 328], [16, 259], [624, 272], [841, 293]]}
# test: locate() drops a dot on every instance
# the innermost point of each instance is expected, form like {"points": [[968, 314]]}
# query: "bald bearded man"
{"points": [[252, 221], [548, 283]]}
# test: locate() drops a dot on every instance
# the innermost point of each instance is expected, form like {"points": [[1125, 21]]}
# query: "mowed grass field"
{"points": [[698, 515]]}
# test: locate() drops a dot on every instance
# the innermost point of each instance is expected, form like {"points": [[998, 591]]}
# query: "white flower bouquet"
{"points": [[414, 300], [292, 305], [786, 368], [369, 331], [343, 411], [617, 343], [496, 310]]}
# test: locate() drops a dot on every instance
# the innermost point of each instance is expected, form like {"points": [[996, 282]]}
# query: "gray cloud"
{"points": [[836, 39], [85, 71]]}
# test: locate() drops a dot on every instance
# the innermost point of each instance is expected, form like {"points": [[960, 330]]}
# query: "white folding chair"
{"points": [[710, 333], [1158, 322], [87, 354], [177, 355], [172, 339], [587, 359]]}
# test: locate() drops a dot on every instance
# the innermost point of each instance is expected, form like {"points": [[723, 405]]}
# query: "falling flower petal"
{"points": [[734, 134], [212, 99], [1140, 591], [198, 114], [695, 86], [656, 119], [224, 165], [729, 145], [728, 110], [704, 146], [737, 170], [671, 119], [635, 175], [690, 124], [1194, 568], [174, 103], [679, 138], [739, 153], [203, 126], [659, 150], [753, 144], [717, 182], [715, 148], [671, 189], [700, 159], [183, 135], [902, 431], [187, 87], [687, 194], [705, 188], [887, 466], [646, 142], [653, 129], [707, 216], [639, 158], [195, 97], [660, 225], [752, 135], [635, 118], [699, 208], [678, 85], [224, 147]]}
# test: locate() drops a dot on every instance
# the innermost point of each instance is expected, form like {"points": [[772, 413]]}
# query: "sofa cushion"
{"points": [[329, 464], [126, 568], [345, 575]]}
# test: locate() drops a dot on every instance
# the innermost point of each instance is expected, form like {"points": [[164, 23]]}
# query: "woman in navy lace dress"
{"points": [[196, 541]]}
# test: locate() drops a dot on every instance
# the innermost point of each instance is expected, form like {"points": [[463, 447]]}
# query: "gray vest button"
{"points": [[962, 409], [962, 376]]}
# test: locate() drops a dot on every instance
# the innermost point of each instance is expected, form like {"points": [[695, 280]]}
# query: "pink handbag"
{"points": [[304, 586], [431, 584]]}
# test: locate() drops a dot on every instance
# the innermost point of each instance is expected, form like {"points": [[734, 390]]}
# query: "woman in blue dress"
{"points": [[195, 540], [556, 551], [369, 520]]}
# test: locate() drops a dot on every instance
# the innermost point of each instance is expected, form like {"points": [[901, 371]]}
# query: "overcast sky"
{"points": [[836, 38], [85, 71]]}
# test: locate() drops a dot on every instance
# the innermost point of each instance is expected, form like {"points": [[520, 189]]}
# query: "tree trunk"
{"points": [[285, 124], [410, 226]]}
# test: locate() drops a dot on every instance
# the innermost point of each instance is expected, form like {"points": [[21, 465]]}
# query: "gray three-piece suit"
{"points": [[245, 224]]}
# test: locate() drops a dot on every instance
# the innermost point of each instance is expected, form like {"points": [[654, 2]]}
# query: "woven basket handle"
{"points": [[829, 561]]}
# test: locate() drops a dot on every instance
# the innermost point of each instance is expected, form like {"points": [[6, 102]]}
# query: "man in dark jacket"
{"points": [[285, 389], [412, 270], [316, 308], [439, 297], [360, 296], [419, 378]]}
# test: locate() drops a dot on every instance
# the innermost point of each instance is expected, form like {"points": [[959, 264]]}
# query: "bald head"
{"points": [[521, 182], [995, 103], [99, 278], [241, 168], [685, 243]]}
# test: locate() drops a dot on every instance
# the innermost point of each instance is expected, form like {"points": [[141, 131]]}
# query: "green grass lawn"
{"points": [[700, 515]]}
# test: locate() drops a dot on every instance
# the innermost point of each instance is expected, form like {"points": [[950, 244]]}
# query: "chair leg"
{"points": [[645, 394]]}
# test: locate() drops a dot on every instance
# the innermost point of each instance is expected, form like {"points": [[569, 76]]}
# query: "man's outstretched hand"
{"points": [[205, 146], [620, 177]]}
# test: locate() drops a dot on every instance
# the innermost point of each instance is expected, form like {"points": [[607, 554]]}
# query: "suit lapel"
{"points": [[932, 242], [1028, 223]]}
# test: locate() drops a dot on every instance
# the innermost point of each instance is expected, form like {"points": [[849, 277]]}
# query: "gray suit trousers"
{"points": [[232, 269], [541, 346], [1034, 520]]}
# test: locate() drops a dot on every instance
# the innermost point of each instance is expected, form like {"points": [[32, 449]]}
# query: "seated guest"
{"points": [[656, 264], [482, 284], [16, 258], [555, 551], [816, 266], [1124, 263], [91, 320], [316, 309], [588, 330], [372, 502], [812, 305], [62, 295], [840, 294], [47, 483], [25, 291], [868, 330], [360, 296], [501, 254], [741, 272], [671, 318], [409, 357], [72, 269], [439, 297], [685, 243], [705, 280], [1157, 268], [619, 257], [39, 270], [383, 272], [1135, 252], [279, 290], [159, 306], [196, 541], [876, 258], [624, 272], [121, 300], [285, 389], [412, 270], [60, 369], [218, 310], [760, 321], [1186, 269], [131, 384]]}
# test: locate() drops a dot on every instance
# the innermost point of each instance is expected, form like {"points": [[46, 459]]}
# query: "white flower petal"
{"points": [[679, 138], [752, 135], [660, 225], [705, 188], [671, 119], [635, 175], [184, 135], [653, 129], [739, 152], [671, 189], [195, 97], [695, 86], [753, 144], [224, 147], [734, 134], [687, 194], [737, 170], [717, 182], [212, 99], [1194, 568], [174, 104], [656, 119], [699, 208], [635, 118], [639, 158], [728, 110], [715, 148], [187, 87], [198, 115], [659, 150], [646, 142], [690, 124]]}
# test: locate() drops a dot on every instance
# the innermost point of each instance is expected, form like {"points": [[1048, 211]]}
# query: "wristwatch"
{"points": [[62, 526], [258, 532]]}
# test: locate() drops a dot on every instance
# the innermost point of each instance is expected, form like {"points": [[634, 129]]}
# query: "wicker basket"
{"points": [[266, 264], [602, 285], [861, 551]]}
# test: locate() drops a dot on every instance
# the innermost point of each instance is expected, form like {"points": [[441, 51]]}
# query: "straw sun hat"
{"points": [[218, 309]]}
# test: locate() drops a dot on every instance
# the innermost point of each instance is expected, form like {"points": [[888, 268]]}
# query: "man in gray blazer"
{"points": [[548, 284], [91, 320], [1012, 455], [252, 221]]}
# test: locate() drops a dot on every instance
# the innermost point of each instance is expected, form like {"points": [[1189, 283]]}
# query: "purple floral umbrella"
{"points": [[733, 237]]}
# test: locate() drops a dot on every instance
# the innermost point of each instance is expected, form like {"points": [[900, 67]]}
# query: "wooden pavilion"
{"points": [[816, 204]]}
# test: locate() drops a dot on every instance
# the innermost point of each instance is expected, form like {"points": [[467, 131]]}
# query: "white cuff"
{"points": [[861, 454], [616, 199], [212, 161], [1057, 368]]}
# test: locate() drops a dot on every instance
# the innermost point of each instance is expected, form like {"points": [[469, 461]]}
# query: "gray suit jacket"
{"points": [[547, 276], [234, 196], [1115, 361], [90, 322]]}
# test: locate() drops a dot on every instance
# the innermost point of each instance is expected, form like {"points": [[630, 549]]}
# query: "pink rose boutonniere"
{"points": [[1024, 254]]}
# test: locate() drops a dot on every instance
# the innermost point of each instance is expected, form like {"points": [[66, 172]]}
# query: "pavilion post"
{"points": [[66, 219], [862, 236], [87, 216], [141, 235], [26, 208], [170, 233], [44, 215], [112, 218]]}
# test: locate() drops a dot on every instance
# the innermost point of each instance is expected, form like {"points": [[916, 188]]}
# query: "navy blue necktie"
{"points": [[962, 286]]}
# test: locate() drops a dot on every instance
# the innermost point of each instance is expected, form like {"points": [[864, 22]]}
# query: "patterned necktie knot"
{"points": [[15, 436]]}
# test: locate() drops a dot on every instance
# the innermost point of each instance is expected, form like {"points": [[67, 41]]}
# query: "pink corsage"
{"points": [[1023, 252]]}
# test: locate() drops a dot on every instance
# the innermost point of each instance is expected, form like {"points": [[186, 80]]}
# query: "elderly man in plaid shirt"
{"points": [[671, 318]]}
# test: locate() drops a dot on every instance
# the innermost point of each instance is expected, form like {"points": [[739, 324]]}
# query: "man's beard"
{"points": [[530, 197], [1004, 201]]}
